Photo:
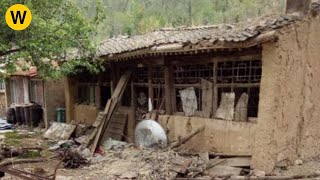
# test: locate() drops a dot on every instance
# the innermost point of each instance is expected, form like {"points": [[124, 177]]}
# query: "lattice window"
{"points": [[158, 75], [241, 77], [192, 74], [141, 75], [232, 72]]}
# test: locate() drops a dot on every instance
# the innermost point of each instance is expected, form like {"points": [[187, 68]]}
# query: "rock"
{"points": [[259, 173], [129, 175], [298, 162], [111, 144]]}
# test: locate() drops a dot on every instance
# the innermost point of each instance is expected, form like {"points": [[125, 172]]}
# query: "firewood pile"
{"points": [[72, 159]]}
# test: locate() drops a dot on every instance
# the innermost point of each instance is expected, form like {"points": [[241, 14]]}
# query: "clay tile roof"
{"points": [[177, 38], [32, 72]]}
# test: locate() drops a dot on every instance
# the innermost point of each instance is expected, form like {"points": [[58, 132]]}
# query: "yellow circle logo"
{"points": [[18, 17]]}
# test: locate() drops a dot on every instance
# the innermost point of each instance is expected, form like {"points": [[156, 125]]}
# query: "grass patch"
{"points": [[12, 138], [30, 155], [12, 135]]}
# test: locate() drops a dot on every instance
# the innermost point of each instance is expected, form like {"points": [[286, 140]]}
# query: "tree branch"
{"points": [[4, 53]]}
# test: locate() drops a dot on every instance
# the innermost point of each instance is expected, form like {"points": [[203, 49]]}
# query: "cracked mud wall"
{"points": [[289, 109], [220, 136]]}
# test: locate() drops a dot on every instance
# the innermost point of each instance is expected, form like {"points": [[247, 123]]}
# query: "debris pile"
{"points": [[133, 163], [72, 159]]}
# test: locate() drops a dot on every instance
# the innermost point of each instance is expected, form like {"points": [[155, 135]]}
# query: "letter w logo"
{"points": [[18, 16]]}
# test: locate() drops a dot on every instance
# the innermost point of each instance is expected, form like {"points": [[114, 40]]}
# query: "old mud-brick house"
{"points": [[3, 103], [25, 87], [253, 85]]}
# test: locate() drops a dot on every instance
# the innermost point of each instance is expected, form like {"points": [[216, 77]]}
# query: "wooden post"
{"points": [[113, 75], [168, 88], [98, 95], [133, 95], [150, 88], [215, 88], [70, 90]]}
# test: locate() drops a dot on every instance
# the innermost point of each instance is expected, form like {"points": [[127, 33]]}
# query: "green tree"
{"points": [[58, 27]]}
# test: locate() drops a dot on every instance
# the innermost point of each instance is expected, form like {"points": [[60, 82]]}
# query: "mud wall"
{"points": [[3, 105], [289, 109], [85, 114], [221, 136], [54, 98]]}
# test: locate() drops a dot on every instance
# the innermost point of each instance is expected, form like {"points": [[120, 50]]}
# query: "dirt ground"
{"points": [[128, 163]]}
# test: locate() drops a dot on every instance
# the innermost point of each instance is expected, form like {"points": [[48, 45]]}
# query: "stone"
{"points": [[298, 162], [259, 173]]}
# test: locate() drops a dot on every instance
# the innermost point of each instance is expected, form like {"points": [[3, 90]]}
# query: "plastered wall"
{"points": [[289, 109], [220, 136]]}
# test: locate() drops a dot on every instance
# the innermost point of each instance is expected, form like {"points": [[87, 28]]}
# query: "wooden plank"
{"points": [[116, 131], [115, 126], [180, 164], [224, 171], [110, 108], [237, 162], [214, 162], [119, 119], [99, 130]]}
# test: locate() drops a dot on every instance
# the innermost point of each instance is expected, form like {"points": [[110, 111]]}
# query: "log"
{"points": [[19, 161], [309, 176], [186, 138]]}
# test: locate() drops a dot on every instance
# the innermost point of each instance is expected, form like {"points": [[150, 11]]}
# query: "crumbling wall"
{"points": [[85, 114], [221, 136], [54, 98], [289, 109]]}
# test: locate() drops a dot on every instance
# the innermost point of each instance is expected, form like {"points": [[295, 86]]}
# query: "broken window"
{"points": [[153, 78], [94, 90], [87, 94], [240, 77], [186, 76]]}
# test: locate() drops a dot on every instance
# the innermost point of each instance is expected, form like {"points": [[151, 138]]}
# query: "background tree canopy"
{"points": [[139, 16], [61, 26]]}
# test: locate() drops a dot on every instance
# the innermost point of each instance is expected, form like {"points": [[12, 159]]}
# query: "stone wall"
{"points": [[221, 136], [289, 109]]}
